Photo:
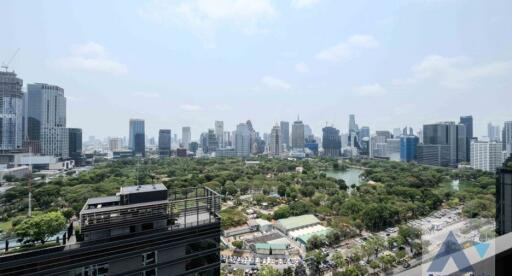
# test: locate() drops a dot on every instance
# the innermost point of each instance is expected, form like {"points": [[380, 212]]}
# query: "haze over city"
{"points": [[181, 63]]}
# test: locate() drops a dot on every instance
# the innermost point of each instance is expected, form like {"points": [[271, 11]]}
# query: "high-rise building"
{"points": [[242, 140], [115, 144], [378, 144], [212, 141], [219, 132], [383, 133], [308, 132], [486, 156], [275, 144], [364, 138], [134, 233], [312, 145], [11, 111], [331, 141], [285, 133], [75, 145], [186, 137], [493, 132], [46, 122], [507, 137], [433, 154], [298, 135], [137, 138], [353, 132], [203, 141], [504, 198], [408, 146], [365, 132], [228, 140], [164, 142], [447, 133], [396, 132], [467, 121], [393, 149]]}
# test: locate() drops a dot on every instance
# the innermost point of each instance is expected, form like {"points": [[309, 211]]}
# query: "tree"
{"points": [[281, 190], [238, 244], [338, 259], [387, 261], [40, 227], [288, 271], [315, 259], [333, 237], [315, 242], [282, 212], [267, 270]]}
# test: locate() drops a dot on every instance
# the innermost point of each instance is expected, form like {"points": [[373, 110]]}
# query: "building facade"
{"points": [[331, 141], [75, 145], [507, 137], [11, 112], [219, 132], [186, 137], [46, 122], [433, 155], [285, 133], [467, 121], [139, 231], [242, 140], [275, 144], [408, 146], [486, 156], [504, 198], [137, 138], [298, 135], [164, 142]]}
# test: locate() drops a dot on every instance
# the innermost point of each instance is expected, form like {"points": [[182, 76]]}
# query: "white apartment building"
{"points": [[486, 156]]}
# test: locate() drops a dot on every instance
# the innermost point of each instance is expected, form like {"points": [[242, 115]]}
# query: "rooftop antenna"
{"points": [[5, 65]]}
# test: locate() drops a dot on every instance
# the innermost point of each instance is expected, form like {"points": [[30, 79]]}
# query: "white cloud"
{"points": [[454, 72], [204, 17], [275, 83], [348, 48], [91, 57], [301, 67], [303, 3], [370, 90], [190, 107]]}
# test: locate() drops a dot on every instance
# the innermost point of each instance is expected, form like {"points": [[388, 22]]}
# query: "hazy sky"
{"points": [[176, 63]]}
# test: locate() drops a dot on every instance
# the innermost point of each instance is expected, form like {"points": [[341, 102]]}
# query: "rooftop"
{"points": [[142, 188], [299, 221]]}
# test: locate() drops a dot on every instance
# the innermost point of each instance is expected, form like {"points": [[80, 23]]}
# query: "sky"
{"points": [[189, 63]]}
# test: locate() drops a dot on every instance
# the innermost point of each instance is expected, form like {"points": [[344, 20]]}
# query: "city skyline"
{"points": [[212, 62]]}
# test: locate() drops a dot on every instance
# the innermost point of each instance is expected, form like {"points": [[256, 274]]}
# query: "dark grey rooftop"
{"points": [[142, 188], [103, 199], [121, 207]]}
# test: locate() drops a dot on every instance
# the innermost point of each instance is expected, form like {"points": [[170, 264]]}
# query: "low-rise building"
{"points": [[294, 223]]}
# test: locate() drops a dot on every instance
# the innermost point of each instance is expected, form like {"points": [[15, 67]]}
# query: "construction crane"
{"points": [[5, 65]]}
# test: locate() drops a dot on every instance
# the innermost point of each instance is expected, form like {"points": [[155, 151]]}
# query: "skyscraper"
{"points": [[75, 144], [308, 132], [353, 132], [408, 146], [447, 133], [11, 112], [242, 140], [186, 136], [164, 142], [331, 141], [285, 133], [275, 144], [467, 121], [212, 141], [298, 135], [486, 156], [137, 138], [493, 132], [219, 132], [115, 144], [46, 109], [504, 198]]}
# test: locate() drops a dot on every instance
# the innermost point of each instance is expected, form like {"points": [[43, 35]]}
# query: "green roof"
{"points": [[270, 246], [304, 238], [298, 222]]}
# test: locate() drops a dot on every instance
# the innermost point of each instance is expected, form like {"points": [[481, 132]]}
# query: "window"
{"points": [[149, 258], [92, 270], [151, 272]]}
